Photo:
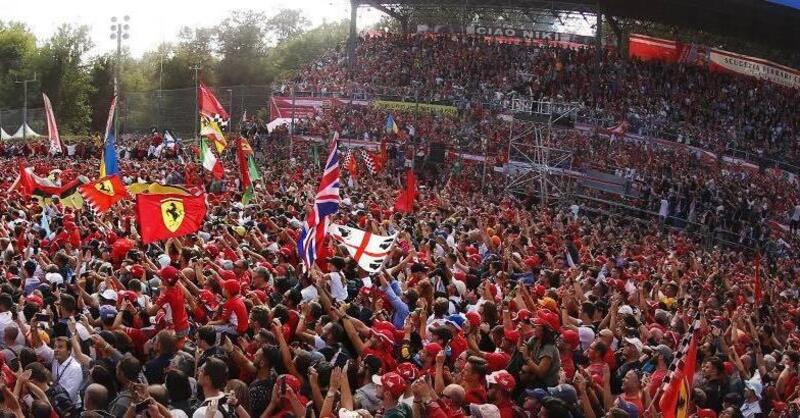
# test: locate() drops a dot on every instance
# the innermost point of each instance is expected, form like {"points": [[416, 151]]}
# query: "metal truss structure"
{"points": [[535, 163]]}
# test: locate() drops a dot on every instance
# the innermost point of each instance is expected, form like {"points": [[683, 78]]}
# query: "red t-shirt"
{"points": [[655, 381], [234, 311], [506, 409], [139, 337], [174, 305], [568, 364], [476, 395]]}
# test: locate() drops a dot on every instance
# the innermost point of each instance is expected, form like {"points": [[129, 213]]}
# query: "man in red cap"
{"points": [[234, 318], [501, 386], [173, 301], [567, 345], [391, 386]]}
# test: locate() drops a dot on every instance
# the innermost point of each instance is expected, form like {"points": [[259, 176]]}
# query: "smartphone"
{"points": [[142, 406], [42, 317]]}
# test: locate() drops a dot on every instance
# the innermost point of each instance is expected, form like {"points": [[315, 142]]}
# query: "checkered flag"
{"points": [[676, 389], [221, 121], [369, 162], [347, 160]]}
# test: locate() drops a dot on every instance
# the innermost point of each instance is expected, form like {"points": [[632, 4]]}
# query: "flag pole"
{"points": [[196, 68]]}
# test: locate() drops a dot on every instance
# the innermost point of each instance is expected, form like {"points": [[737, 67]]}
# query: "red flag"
{"points": [[209, 106], [674, 402], [757, 279], [405, 200], [103, 193], [163, 216], [30, 184]]}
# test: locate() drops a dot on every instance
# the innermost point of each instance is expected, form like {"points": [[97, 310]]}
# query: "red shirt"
{"points": [[174, 305], [139, 337], [477, 395], [234, 311], [506, 409]]}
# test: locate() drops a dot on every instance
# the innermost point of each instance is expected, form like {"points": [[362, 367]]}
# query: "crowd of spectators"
{"points": [[683, 103], [487, 307]]}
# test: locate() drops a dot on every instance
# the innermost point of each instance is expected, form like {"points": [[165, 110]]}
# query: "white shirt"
{"points": [[749, 410], [68, 374], [338, 290], [201, 412], [309, 294]]}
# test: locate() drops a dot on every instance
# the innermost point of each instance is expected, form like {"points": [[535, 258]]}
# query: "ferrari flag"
{"points": [[367, 249], [103, 193], [162, 216]]}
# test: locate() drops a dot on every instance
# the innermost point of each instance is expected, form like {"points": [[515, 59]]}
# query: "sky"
{"points": [[155, 21]]}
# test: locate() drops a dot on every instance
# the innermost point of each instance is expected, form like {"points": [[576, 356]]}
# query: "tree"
{"points": [[289, 56], [17, 49], [241, 40], [287, 23], [64, 77]]}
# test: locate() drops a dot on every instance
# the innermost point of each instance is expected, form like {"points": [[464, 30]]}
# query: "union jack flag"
{"points": [[326, 203]]}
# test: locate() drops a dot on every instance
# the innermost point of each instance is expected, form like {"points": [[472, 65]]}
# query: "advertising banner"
{"points": [[647, 48], [411, 106], [510, 33]]}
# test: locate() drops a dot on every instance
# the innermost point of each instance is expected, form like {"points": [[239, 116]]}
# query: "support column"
{"points": [[598, 37], [351, 41]]}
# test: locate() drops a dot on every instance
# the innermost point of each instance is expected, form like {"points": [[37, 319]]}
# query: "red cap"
{"points": [[539, 290], [227, 275], [706, 413], [260, 295], [169, 274], [212, 250], [523, 315], [531, 262], [127, 294], [503, 379], [137, 270], [570, 337], [232, 286], [728, 368], [209, 299], [547, 318], [474, 318], [432, 349], [34, 300], [291, 381], [409, 371], [472, 250], [460, 276], [391, 382], [511, 335], [286, 251], [384, 334]]}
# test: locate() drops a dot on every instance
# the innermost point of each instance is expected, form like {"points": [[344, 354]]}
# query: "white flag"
{"points": [[52, 129], [367, 249]]}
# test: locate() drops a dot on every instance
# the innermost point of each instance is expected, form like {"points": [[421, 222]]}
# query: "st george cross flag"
{"points": [[326, 203], [52, 128], [103, 193], [367, 249]]}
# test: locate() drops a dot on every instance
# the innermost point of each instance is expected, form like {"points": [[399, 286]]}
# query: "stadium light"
{"points": [[119, 31]]}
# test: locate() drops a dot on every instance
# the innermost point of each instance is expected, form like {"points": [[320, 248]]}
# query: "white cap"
{"points": [[54, 278], [586, 336], [636, 343], [625, 310], [109, 294], [163, 260]]}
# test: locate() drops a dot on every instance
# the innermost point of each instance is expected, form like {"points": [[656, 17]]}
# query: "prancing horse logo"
{"points": [[172, 212]]}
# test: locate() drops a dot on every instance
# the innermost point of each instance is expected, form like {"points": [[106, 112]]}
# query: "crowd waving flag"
{"points": [[213, 117], [405, 200], [163, 216], [103, 193], [30, 184], [248, 172], [677, 386], [391, 125], [369, 250], [52, 128], [108, 162], [326, 203], [210, 161]]}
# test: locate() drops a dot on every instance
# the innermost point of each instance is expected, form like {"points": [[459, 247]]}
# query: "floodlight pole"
{"points": [[119, 31], [25, 106]]}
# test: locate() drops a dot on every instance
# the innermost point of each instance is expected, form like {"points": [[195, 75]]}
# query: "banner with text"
{"points": [[651, 48], [510, 33], [411, 106]]}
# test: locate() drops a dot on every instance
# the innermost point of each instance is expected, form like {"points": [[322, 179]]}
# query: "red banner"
{"points": [[649, 48]]}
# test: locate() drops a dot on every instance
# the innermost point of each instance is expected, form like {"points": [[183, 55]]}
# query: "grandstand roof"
{"points": [[755, 20]]}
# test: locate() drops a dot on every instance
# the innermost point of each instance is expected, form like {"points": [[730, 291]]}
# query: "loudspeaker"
{"points": [[437, 152]]}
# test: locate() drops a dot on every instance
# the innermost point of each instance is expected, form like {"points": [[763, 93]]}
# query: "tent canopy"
{"points": [[4, 135], [28, 132]]}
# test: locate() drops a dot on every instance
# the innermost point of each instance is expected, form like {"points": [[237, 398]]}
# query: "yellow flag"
{"points": [[211, 130]]}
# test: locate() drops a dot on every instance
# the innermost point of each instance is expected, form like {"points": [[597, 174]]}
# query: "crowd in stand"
{"points": [[683, 103], [488, 305]]}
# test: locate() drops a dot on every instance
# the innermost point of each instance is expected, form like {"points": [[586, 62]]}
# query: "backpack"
{"points": [[61, 402]]}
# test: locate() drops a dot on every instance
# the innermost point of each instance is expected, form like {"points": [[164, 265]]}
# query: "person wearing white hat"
{"points": [[752, 397]]}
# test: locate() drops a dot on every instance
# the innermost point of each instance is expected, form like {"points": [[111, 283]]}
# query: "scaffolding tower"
{"points": [[536, 165]]}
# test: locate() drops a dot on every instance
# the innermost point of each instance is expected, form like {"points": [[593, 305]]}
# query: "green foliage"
{"points": [[246, 48]]}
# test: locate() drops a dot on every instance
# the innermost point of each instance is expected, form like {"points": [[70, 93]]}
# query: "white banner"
{"points": [[754, 67]]}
